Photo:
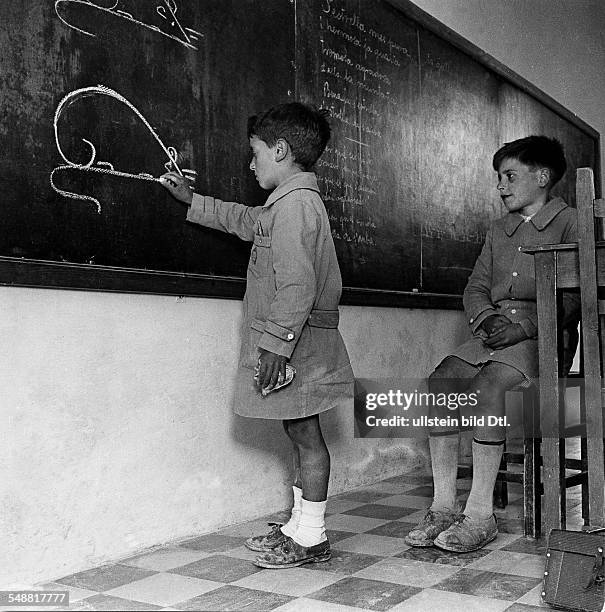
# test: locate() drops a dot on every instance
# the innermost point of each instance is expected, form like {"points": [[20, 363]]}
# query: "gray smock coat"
{"points": [[291, 301], [503, 282]]}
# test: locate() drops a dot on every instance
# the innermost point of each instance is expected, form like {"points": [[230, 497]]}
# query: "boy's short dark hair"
{"points": [[303, 126], [535, 151]]}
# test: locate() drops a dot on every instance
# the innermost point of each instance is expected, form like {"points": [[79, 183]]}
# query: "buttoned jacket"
{"points": [[292, 294], [503, 274]]}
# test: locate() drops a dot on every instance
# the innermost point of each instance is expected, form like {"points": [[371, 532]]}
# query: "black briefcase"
{"points": [[574, 577]]}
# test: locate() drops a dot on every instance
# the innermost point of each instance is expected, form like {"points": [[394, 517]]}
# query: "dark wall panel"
{"points": [[407, 177]]}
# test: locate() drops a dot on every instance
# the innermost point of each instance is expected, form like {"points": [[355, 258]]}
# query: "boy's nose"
{"points": [[252, 165]]}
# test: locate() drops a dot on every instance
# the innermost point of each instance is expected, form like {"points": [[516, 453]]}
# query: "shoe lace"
{"points": [[429, 516], [285, 546], [459, 518]]}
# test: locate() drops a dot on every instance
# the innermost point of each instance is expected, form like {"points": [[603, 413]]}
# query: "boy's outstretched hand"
{"points": [[506, 336], [180, 187], [270, 366]]}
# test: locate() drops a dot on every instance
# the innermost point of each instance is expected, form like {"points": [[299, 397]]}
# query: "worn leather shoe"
{"points": [[468, 534], [433, 523], [291, 554], [267, 542]]}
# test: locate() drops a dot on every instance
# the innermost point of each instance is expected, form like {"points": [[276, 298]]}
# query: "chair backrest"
{"points": [[593, 338]]}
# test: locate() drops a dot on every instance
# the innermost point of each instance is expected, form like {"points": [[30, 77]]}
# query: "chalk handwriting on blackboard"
{"points": [[103, 166], [166, 9]]}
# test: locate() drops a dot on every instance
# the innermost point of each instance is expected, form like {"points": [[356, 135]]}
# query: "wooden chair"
{"points": [[589, 468], [529, 455]]}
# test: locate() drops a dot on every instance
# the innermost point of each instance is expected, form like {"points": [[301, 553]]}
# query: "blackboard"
{"points": [[98, 95]]}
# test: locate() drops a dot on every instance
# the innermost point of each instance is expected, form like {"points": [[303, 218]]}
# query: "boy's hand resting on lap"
{"points": [[493, 323], [506, 336], [270, 366]]}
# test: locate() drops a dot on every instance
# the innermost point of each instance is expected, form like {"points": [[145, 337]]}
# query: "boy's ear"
{"points": [[281, 150], [544, 177]]}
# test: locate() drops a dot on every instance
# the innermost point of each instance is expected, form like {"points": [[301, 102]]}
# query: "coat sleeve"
{"points": [[293, 244], [227, 217], [477, 293]]}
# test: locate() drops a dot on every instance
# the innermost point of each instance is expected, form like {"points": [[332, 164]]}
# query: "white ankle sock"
{"points": [[311, 526], [290, 527]]}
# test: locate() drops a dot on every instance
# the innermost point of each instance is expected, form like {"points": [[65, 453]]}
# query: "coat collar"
{"points": [[540, 220], [300, 180]]}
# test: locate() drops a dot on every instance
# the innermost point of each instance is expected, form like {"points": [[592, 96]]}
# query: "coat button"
{"points": [[515, 274], [471, 320], [492, 353], [290, 336], [513, 311]]}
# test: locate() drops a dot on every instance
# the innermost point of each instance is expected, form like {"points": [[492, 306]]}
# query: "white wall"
{"points": [[116, 427], [117, 432]]}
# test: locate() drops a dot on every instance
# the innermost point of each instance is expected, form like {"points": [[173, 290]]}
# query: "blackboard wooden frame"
{"points": [[61, 275]]}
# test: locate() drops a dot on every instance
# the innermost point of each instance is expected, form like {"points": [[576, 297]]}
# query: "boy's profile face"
{"points": [[522, 188], [264, 164]]}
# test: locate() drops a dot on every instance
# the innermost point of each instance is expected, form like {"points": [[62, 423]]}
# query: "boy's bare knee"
{"points": [[306, 432], [495, 380], [451, 375], [448, 368]]}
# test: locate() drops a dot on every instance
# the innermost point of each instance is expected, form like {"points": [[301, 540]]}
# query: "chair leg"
{"points": [[584, 485], [538, 488], [501, 487], [532, 481], [531, 484], [562, 487]]}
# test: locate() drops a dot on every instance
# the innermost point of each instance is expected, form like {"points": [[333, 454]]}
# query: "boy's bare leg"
{"points": [[291, 526], [309, 543], [314, 458], [277, 533], [297, 482]]}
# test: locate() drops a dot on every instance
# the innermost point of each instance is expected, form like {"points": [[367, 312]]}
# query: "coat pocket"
{"points": [[261, 261]]}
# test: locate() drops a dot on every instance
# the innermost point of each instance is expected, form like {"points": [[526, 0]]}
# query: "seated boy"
{"points": [[500, 304], [290, 313]]}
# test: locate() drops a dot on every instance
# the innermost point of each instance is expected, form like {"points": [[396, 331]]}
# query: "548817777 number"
{"points": [[34, 598]]}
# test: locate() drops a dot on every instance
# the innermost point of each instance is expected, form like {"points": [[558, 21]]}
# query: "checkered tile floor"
{"points": [[371, 566]]}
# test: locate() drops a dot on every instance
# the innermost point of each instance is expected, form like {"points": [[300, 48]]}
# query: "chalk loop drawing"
{"points": [[92, 165]]}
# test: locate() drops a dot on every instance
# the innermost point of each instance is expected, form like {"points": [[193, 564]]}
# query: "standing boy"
{"points": [[290, 313], [500, 304]]}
